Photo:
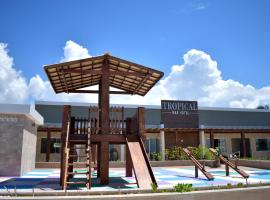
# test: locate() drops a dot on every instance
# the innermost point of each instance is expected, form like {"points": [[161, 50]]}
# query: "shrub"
{"points": [[154, 187], [176, 153], [155, 156], [240, 185], [183, 187]]}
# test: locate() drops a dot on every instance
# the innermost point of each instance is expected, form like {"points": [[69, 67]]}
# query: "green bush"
{"points": [[240, 185], [207, 153], [176, 153], [155, 156], [183, 187]]}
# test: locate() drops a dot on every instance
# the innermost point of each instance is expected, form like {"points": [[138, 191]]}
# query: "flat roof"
{"points": [[59, 103], [22, 109]]}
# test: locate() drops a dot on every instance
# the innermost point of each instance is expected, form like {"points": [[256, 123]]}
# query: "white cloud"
{"points": [[74, 51], [13, 87], [198, 78]]}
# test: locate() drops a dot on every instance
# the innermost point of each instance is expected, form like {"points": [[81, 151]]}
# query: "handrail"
{"points": [[66, 154]]}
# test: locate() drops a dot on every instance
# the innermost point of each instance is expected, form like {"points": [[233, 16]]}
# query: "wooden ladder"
{"points": [[70, 158]]}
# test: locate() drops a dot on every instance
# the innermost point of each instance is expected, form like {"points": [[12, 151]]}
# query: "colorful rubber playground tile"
{"points": [[167, 177]]}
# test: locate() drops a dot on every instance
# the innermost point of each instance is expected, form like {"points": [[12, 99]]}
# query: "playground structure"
{"points": [[104, 125], [198, 165], [228, 164]]}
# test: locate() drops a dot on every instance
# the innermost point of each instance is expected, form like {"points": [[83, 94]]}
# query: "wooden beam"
{"points": [[99, 72], [122, 73], [65, 117], [208, 130], [80, 71], [141, 122], [104, 119], [129, 164], [97, 91], [104, 163], [141, 83]]}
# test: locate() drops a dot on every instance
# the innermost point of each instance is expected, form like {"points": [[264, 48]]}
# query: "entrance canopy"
{"points": [[131, 78]]}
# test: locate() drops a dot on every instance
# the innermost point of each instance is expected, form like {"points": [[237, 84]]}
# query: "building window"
{"points": [[221, 144], [262, 144], [54, 147], [114, 152], [207, 143], [152, 145]]}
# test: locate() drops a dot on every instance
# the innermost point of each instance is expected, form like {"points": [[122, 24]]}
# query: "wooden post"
{"points": [[104, 101], [227, 170], [48, 145], [128, 126], [128, 157], [71, 160], [65, 118], [141, 122], [98, 160], [104, 163], [212, 144], [94, 152], [243, 145], [129, 165], [196, 172], [104, 107]]}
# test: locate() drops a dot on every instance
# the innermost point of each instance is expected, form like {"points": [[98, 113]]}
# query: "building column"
{"points": [[122, 152], [243, 145], [162, 141], [212, 145], [202, 139], [48, 145]]}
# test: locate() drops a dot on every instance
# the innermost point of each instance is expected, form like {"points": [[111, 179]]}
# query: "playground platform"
{"points": [[166, 177]]}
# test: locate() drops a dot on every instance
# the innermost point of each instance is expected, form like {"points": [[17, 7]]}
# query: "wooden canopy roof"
{"points": [[130, 77]]}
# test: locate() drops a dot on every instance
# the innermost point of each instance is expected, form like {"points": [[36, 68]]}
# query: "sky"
{"points": [[215, 52]]}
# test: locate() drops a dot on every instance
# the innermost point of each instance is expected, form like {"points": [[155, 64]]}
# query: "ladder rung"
{"points": [[79, 156], [78, 163], [76, 182], [77, 147], [84, 141], [78, 173]]}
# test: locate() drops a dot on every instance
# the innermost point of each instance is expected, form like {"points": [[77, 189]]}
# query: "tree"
{"points": [[263, 107]]}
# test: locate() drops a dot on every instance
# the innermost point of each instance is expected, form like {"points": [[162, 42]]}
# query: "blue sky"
{"points": [[150, 32]]}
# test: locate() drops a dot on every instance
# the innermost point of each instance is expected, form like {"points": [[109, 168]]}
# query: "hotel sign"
{"points": [[179, 114]]}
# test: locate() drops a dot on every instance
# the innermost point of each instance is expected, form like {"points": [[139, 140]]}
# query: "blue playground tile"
{"points": [[166, 177]]}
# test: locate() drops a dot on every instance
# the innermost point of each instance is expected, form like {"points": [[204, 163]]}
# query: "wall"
{"points": [[251, 136], [17, 144], [11, 134], [244, 117], [181, 139]]}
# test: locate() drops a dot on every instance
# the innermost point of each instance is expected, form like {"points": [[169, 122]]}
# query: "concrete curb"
{"points": [[251, 193]]}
